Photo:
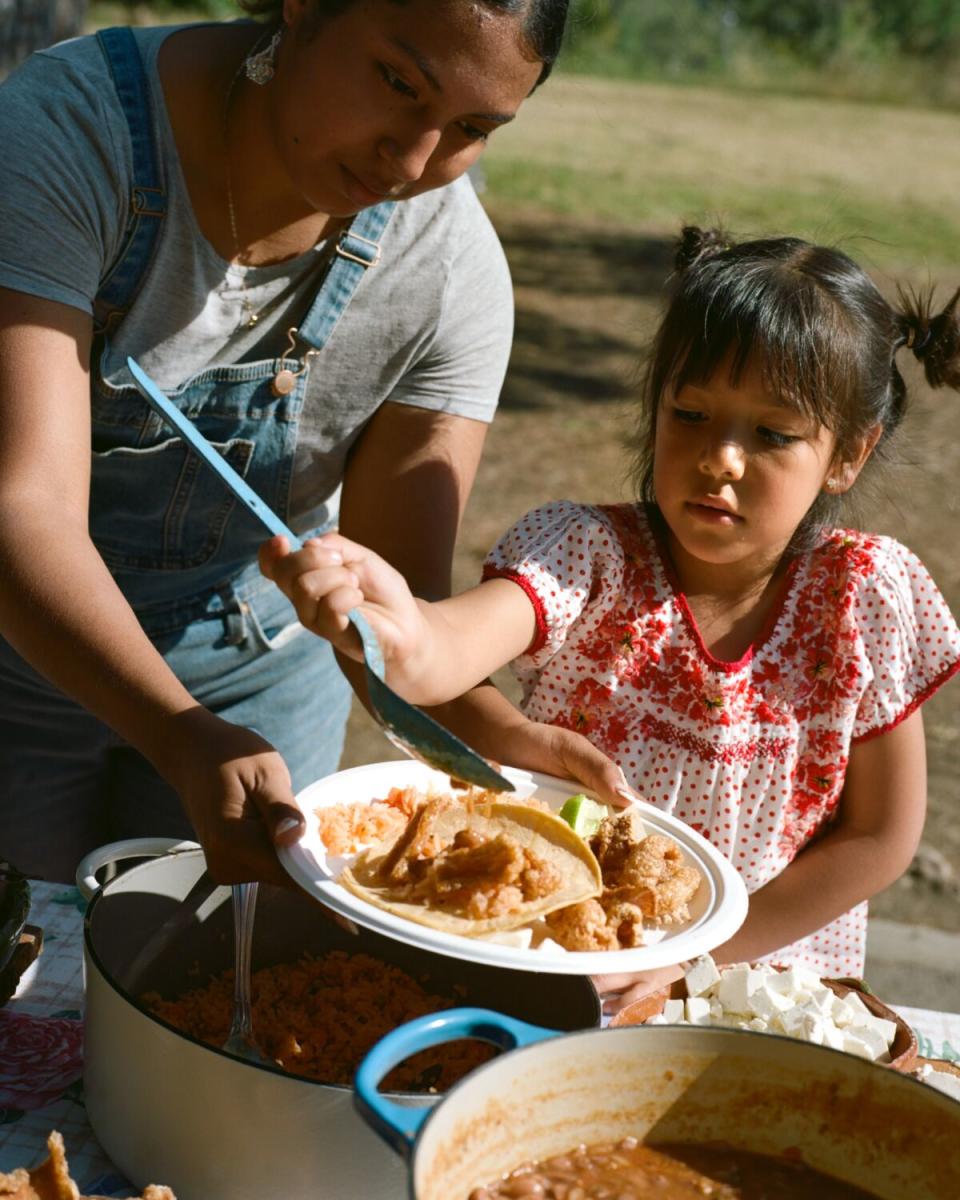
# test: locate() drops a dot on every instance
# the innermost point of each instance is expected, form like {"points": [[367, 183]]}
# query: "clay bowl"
{"points": [[903, 1052]]}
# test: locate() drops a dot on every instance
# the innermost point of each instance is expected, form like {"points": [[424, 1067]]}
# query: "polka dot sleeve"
{"points": [[909, 636], [558, 554]]}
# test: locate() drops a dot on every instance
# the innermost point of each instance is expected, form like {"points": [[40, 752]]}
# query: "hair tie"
{"points": [[917, 338]]}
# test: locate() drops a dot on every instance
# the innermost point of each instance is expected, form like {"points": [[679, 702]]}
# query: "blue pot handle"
{"points": [[398, 1125]]}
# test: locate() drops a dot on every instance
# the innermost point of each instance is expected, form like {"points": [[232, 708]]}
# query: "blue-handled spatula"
{"points": [[410, 729]]}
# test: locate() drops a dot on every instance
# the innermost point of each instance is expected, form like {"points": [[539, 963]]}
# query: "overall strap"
{"points": [[148, 200], [357, 250]]}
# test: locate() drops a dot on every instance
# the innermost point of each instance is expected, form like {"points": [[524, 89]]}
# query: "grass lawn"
{"points": [[881, 181]]}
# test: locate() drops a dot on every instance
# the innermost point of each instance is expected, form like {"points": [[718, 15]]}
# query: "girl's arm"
{"points": [[433, 651], [61, 610], [404, 493], [405, 488], [868, 847]]}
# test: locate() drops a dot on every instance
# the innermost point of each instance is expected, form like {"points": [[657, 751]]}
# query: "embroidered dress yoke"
{"points": [[753, 753]]}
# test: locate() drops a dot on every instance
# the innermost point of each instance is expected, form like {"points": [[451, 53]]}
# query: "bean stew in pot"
{"points": [[629, 1170]]}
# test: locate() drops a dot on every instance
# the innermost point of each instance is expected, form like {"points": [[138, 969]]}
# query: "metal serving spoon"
{"points": [[240, 1040], [409, 728]]}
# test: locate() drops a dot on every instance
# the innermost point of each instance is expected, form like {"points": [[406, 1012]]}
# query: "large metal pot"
{"points": [[168, 1109], [887, 1133], [14, 910]]}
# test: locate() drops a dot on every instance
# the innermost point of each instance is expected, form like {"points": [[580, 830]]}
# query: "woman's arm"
{"points": [[869, 846], [62, 611]]}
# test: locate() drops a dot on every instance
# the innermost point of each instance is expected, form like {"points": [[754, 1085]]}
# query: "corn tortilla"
{"points": [[542, 833]]}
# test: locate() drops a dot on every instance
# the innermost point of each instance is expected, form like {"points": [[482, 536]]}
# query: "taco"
{"points": [[476, 869]]}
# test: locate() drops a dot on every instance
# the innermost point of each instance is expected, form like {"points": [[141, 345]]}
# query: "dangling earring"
{"points": [[260, 67]]}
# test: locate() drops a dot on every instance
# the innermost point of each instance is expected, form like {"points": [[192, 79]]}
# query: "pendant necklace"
{"points": [[250, 315], [286, 377]]}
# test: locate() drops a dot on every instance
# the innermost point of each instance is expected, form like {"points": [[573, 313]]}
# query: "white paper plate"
{"points": [[717, 910]]}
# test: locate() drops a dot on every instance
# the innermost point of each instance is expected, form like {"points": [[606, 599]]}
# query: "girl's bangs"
{"points": [[780, 322]]}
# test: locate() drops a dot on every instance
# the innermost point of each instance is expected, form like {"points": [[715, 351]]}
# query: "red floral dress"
{"points": [[750, 753]]}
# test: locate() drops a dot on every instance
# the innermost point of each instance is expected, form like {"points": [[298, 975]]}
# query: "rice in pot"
{"points": [[318, 1017]]}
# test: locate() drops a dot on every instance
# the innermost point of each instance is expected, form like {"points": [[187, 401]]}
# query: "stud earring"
{"points": [[832, 484], [260, 67]]}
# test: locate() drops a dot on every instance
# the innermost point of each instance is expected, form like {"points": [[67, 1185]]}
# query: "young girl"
{"points": [[752, 668]]}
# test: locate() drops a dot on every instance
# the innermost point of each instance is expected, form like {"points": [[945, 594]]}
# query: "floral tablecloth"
{"points": [[41, 1049]]}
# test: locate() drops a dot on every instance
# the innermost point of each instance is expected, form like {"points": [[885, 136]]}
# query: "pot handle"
{"points": [[112, 852], [397, 1125]]}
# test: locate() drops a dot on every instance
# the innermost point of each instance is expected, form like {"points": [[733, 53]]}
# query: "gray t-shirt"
{"points": [[430, 326]]}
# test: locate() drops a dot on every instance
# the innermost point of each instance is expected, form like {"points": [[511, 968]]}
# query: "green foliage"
{"points": [[108, 12], [889, 49], [878, 229]]}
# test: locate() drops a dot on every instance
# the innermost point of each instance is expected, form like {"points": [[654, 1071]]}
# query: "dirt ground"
{"points": [[587, 298]]}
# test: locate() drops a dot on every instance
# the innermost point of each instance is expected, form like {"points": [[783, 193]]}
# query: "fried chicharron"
{"points": [[52, 1180]]}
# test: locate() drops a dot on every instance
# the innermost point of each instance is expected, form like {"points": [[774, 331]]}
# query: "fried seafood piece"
{"points": [[645, 880], [647, 870], [52, 1181], [484, 877], [582, 926], [625, 920], [615, 838]]}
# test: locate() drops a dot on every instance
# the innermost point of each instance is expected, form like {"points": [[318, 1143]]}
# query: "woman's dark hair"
{"points": [[823, 335], [542, 22]]}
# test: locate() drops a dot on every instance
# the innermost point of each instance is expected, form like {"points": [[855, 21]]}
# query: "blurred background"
{"points": [[837, 120]]}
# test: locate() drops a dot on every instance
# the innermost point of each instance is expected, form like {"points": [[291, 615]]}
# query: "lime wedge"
{"points": [[583, 815]]}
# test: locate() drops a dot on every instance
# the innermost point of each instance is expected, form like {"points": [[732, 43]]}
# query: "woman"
{"points": [[271, 218]]}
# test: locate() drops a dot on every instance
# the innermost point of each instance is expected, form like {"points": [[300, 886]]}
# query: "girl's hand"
{"points": [[568, 755], [332, 575], [617, 991], [579, 759]]}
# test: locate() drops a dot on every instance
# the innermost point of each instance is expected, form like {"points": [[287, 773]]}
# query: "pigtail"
{"points": [[934, 339], [696, 244]]}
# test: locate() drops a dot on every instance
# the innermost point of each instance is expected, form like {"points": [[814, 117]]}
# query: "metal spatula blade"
{"points": [[409, 728]]}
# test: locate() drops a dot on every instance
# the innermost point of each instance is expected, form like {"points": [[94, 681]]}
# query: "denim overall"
{"points": [[183, 551]]}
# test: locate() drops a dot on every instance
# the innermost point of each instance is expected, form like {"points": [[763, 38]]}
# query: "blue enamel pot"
{"points": [[884, 1132]]}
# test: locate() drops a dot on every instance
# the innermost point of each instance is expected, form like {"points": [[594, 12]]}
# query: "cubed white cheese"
{"points": [[673, 1012], [795, 1021], [795, 980], [736, 986], [822, 997], [842, 1014], [872, 1037], [886, 1029], [832, 1036], [808, 1024], [766, 1003], [944, 1081], [697, 1010], [857, 1007], [701, 975], [855, 1045]]}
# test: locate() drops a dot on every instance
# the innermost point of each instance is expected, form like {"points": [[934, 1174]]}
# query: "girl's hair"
{"points": [[542, 22], [824, 337]]}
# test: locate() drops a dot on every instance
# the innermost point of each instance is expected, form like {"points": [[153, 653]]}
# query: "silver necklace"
{"points": [[250, 314]]}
